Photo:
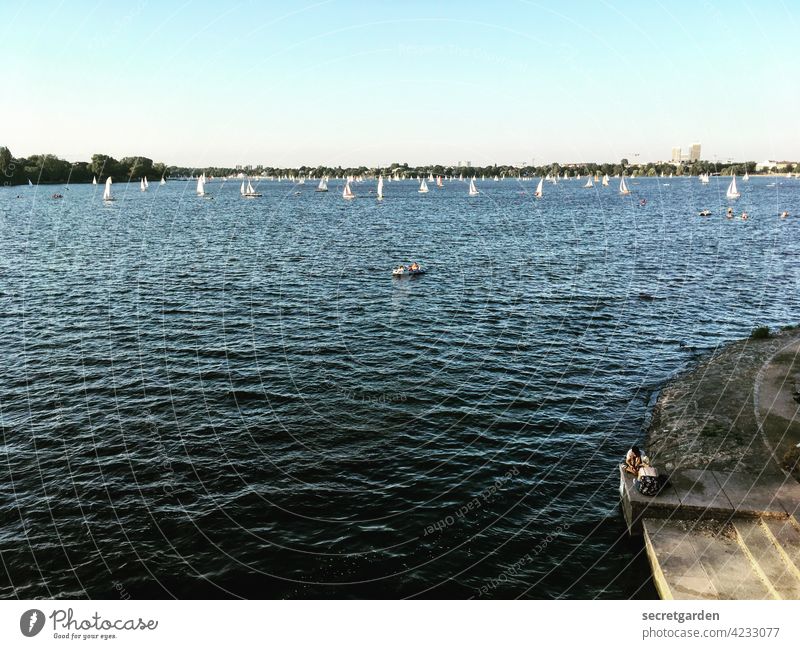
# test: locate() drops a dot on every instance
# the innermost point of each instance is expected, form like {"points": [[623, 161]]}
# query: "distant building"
{"points": [[766, 164], [676, 154], [694, 152]]}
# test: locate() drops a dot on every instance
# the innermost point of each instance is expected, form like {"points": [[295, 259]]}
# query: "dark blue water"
{"points": [[234, 397]]}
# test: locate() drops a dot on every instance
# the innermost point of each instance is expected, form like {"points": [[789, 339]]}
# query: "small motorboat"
{"points": [[704, 212], [412, 269]]}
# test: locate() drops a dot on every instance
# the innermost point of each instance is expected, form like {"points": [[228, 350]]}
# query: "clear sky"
{"points": [[339, 82]]}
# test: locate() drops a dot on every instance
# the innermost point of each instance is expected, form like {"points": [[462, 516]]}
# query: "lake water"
{"points": [[229, 397]]}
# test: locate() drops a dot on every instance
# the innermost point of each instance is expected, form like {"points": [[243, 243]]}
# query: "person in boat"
{"points": [[414, 267], [784, 214], [633, 461], [744, 216], [730, 213]]}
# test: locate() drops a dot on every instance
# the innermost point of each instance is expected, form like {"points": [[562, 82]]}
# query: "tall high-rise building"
{"points": [[676, 154], [694, 152]]}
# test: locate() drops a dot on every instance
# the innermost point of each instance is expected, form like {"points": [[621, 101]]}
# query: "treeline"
{"points": [[48, 168]]}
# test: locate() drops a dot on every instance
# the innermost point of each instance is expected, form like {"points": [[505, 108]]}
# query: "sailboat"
{"points": [[107, 191], [380, 188], [142, 186], [732, 192], [704, 179], [30, 184], [423, 187], [249, 191], [746, 176], [430, 178], [439, 182], [201, 184], [473, 191], [323, 185], [605, 180], [146, 184], [163, 181], [348, 193], [589, 183], [538, 193], [94, 180], [623, 188]]}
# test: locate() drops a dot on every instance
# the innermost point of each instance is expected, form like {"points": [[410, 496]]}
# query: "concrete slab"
{"points": [[786, 537], [729, 568], [751, 495], [757, 542], [676, 570], [788, 495], [698, 488]]}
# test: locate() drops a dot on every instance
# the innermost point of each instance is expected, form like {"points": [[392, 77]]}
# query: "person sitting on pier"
{"points": [[633, 461], [648, 482]]}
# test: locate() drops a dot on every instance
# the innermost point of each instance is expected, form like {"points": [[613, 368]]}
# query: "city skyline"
{"points": [[331, 83]]}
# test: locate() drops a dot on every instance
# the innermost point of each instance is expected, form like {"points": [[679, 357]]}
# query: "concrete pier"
{"points": [[727, 525]]}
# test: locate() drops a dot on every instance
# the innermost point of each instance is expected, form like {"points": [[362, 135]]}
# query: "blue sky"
{"points": [[340, 82]]}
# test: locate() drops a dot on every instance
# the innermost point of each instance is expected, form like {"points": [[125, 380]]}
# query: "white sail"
{"points": [[323, 184], [589, 183], [623, 188], [107, 191], [423, 187], [473, 191], [250, 189], [380, 188], [30, 184], [201, 184], [733, 191], [439, 182], [746, 177], [94, 180], [142, 186], [430, 178], [146, 184], [241, 188], [163, 181], [539, 188], [348, 193], [605, 180]]}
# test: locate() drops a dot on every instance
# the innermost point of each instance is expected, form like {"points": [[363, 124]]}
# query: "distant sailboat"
{"points": [[142, 186], [201, 184], [733, 191], [163, 181], [107, 191], [746, 177], [323, 185], [605, 180], [380, 188], [30, 184], [473, 191], [589, 183], [704, 179], [348, 193], [439, 182], [249, 191], [430, 178], [623, 188], [146, 184], [94, 180], [423, 187], [539, 188]]}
